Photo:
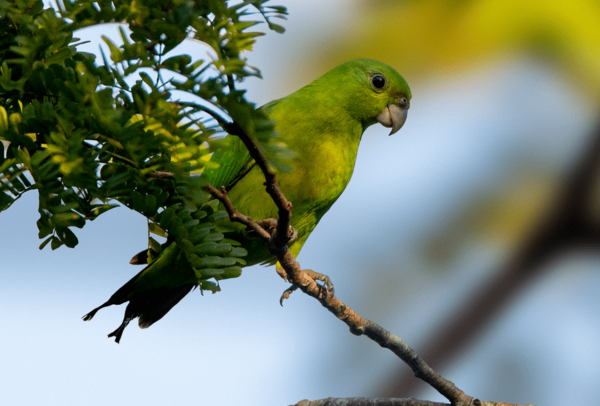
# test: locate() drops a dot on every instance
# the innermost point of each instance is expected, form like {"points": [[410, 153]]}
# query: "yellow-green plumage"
{"points": [[322, 123]]}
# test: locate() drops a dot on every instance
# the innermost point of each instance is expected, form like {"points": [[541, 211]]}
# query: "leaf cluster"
{"points": [[88, 134]]}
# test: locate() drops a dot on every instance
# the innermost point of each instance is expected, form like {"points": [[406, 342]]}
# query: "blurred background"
{"points": [[473, 233]]}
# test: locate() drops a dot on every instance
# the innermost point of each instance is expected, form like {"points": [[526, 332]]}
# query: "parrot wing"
{"points": [[234, 162]]}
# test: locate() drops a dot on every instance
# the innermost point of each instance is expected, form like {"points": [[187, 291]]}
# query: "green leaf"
{"points": [[212, 248], [147, 80], [209, 261], [98, 209], [277, 28], [200, 214], [198, 234], [190, 223], [231, 272], [150, 205], [209, 272], [55, 243], [166, 217], [230, 241], [46, 241], [3, 120], [67, 237], [220, 215], [68, 219], [155, 229], [210, 286], [185, 245], [214, 237], [136, 201], [59, 56], [238, 252], [155, 245]]}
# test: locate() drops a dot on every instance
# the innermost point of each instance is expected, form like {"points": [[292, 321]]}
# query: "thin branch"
{"points": [[360, 326], [235, 215], [160, 175], [277, 245], [280, 239]]}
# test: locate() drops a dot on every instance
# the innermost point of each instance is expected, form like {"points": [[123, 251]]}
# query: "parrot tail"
{"points": [[148, 298], [149, 306], [91, 314], [161, 303]]}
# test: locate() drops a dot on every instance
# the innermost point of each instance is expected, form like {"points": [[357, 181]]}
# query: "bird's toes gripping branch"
{"points": [[270, 225], [326, 288], [327, 284]]}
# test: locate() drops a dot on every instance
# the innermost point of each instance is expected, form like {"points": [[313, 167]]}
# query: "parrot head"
{"points": [[372, 91]]}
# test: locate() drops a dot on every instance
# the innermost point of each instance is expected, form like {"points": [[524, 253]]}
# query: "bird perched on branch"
{"points": [[322, 123]]}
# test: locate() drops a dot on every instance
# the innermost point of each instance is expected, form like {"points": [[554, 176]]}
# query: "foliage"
{"points": [[89, 135]]}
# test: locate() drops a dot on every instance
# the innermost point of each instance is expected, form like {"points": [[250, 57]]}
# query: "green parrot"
{"points": [[323, 123]]}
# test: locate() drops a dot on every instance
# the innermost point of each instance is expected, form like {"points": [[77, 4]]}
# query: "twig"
{"points": [[384, 338], [280, 239], [235, 215], [283, 205], [160, 175], [277, 245]]}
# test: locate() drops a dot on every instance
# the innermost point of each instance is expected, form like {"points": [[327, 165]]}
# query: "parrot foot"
{"points": [[327, 284], [269, 225], [286, 294]]}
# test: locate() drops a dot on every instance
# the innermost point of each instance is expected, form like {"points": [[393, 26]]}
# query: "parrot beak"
{"points": [[394, 115]]}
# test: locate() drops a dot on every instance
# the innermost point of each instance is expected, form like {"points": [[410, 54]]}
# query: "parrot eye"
{"points": [[378, 81]]}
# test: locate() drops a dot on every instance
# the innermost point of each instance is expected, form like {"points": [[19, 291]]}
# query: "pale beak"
{"points": [[393, 116]]}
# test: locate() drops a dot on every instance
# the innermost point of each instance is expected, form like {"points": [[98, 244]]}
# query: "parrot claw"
{"points": [[286, 294], [269, 225], [326, 287], [327, 284]]}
